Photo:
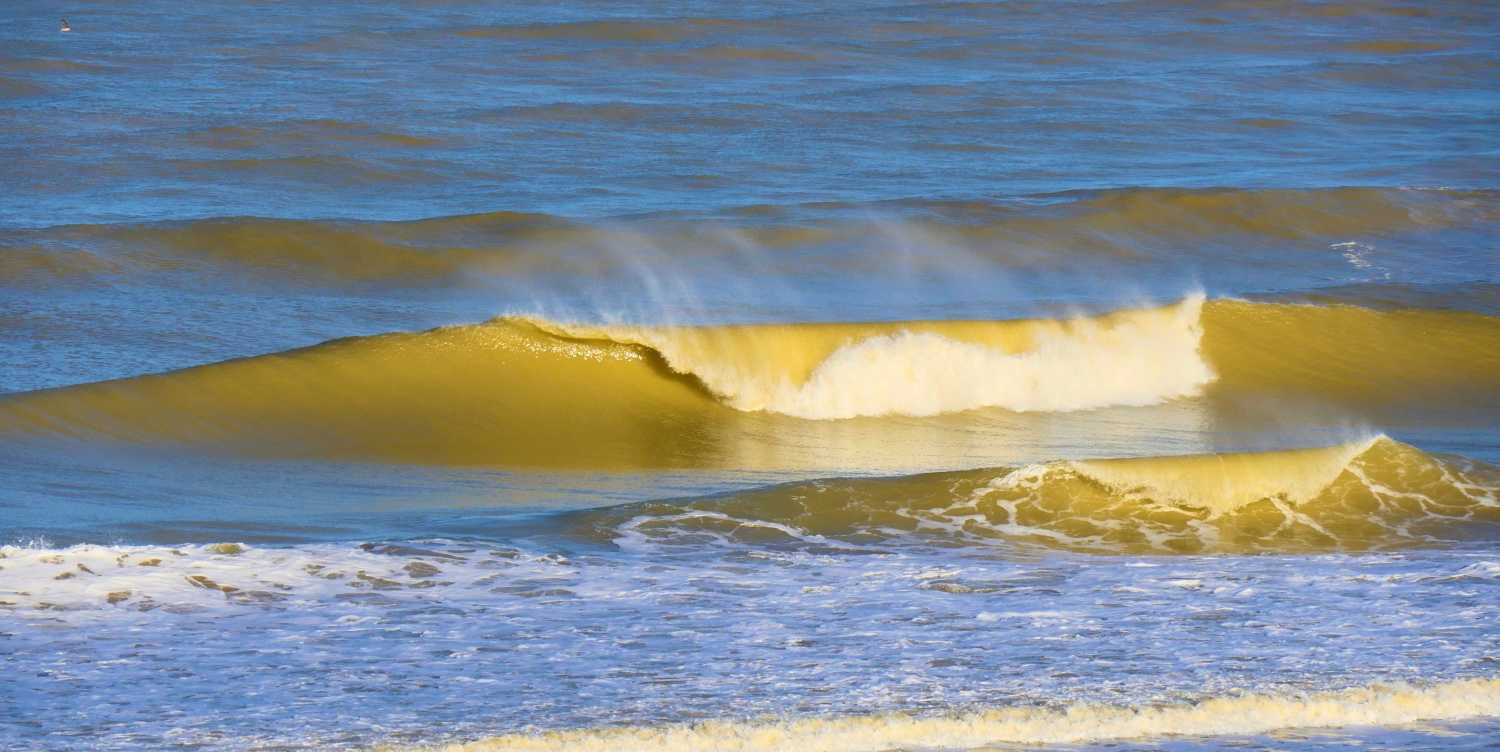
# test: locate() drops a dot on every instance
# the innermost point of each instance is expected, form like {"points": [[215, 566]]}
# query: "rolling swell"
{"points": [[1126, 225], [527, 392]]}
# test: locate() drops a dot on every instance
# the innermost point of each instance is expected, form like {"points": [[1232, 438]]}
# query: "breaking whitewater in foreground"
{"points": [[813, 587]]}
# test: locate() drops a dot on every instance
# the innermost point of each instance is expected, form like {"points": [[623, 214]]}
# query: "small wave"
{"points": [[1364, 495], [1374, 494], [1247, 713]]}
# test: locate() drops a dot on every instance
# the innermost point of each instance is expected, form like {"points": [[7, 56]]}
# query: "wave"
{"points": [[1056, 231], [1364, 495], [1248, 713], [528, 392]]}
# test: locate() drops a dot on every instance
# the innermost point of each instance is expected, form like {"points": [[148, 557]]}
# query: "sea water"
{"points": [[757, 376]]}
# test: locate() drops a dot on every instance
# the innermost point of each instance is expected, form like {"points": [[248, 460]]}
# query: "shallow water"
{"points": [[1067, 375]]}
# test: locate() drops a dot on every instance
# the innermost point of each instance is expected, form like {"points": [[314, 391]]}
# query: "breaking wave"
{"points": [[528, 392], [920, 368], [1366, 495], [1374, 494]]}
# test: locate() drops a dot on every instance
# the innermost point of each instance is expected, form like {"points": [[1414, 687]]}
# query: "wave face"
{"points": [[529, 392]]}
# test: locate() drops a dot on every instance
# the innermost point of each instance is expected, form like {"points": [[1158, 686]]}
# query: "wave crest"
{"points": [[1137, 357]]}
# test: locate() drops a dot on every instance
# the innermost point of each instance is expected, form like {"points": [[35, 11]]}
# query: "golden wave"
{"points": [[527, 392], [1224, 715]]}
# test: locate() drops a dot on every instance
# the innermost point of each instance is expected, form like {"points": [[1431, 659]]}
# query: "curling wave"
{"points": [[528, 392]]}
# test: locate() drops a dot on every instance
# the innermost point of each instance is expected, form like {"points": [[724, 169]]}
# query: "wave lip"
{"points": [[1242, 714]]}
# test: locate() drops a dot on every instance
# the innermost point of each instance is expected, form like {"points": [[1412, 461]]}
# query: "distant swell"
{"points": [[1224, 715], [1126, 225]]}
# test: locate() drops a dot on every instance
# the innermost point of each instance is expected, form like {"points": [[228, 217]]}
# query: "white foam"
{"points": [[834, 634], [1144, 360], [927, 374], [1244, 714], [225, 575]]}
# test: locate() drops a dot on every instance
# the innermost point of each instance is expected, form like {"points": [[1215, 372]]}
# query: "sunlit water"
{"points": [[1281, 214]]}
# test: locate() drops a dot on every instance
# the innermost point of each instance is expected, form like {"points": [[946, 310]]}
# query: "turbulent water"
{"points": [[816, 377]]}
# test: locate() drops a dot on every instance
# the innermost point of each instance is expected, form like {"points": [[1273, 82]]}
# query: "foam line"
{"points": [[1243, 714]]}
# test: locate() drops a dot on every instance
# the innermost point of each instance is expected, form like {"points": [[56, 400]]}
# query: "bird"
{"points": [[66, 27]]}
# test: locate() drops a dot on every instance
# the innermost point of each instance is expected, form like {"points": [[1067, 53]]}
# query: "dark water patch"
{"points": [[654, 31], [307, 133], [335, 170], [1269, 123], [1395, 47], [10, 87]]}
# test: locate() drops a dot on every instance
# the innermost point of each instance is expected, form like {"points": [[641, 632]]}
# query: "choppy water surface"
{"points": [[851, 376]]}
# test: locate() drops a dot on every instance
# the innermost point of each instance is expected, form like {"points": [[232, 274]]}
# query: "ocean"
{"points": [[749, 377]]}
